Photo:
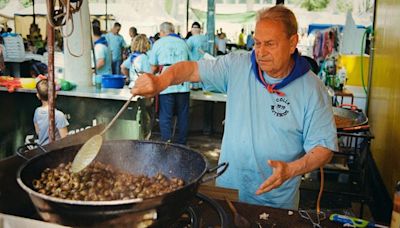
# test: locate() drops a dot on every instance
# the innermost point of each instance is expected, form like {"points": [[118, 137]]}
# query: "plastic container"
{"points": [[28, 83], [97, 81], [113, 81], [352, 63]]}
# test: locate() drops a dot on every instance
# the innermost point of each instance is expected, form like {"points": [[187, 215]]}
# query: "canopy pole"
{"points": [[187, 16], [51, 84], [33, 9], [211, 26], [106, 16]]}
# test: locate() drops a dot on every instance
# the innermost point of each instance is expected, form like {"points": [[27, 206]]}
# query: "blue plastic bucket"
{"points": [[113, 81]]}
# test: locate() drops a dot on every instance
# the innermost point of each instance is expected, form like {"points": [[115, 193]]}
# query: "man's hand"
{"points": [[146, 85], [280, 173]]}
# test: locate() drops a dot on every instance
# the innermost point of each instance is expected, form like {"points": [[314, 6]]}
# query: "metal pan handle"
{"points": [[223, 165], [357, 128], [24, 148], [352, 107]]}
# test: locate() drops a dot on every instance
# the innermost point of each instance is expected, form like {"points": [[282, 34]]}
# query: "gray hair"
{"points": [[167, 28], [281, 14]]}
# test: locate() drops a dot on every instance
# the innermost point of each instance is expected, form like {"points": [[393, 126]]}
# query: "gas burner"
{"points": [[199, 211], [202, 211]]}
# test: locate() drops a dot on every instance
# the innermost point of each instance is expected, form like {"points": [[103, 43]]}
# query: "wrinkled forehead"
{"points": [[269, 29]]}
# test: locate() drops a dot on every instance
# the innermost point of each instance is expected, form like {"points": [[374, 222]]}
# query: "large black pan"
{"points": [[357, 120], [137, 157]]}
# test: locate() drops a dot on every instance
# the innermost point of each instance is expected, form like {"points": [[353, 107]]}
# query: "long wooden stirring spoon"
{"points": [[91, 148]]}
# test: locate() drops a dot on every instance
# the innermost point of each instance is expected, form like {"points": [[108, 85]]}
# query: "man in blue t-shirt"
{"points": [[116, 43], [168, 50], [250, 41], [102, 53], [279, 122], [197, 45]]}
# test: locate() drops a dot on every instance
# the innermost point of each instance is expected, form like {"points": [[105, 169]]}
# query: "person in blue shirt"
{"points": [[279, 122], [138, 60], [168, 50], [116, 43], [250, 41], [102, 53], [197, 44]]}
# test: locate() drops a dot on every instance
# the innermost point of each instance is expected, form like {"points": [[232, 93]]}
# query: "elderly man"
{"points": [[279, 123], [116, 43], [168, 50]]}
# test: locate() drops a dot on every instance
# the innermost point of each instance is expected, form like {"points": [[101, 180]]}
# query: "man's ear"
{"points": [[293, 40], [37, 95]]}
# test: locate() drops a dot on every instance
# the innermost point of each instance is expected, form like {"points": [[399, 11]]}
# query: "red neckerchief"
{"points": [[269, 87]]}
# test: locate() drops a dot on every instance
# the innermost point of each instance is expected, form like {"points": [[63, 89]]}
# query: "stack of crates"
{"points": [[14, 47]]}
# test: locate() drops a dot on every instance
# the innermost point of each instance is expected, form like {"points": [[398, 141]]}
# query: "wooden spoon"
{"points": [[91, 148]]}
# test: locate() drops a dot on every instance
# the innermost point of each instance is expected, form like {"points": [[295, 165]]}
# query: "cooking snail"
{"points": [[101, 182]]}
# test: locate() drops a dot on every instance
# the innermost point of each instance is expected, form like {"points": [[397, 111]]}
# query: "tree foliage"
{"points": [[3, 3], [26, 3], [344, 5], [314, 5]]}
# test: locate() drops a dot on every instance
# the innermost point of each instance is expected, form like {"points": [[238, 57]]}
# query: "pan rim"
{"points": [[31, 191], [351, 111]]}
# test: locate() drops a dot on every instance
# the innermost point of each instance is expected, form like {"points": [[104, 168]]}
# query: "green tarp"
{"points": [[241, 18]]}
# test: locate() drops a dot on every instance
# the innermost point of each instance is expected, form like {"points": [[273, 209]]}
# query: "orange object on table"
{"points": [[10, 83]]}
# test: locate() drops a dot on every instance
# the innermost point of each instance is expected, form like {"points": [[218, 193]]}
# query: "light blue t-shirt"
{"points": [[140, 63], [260, 126], [166, 51], [197, 45], [249, 41], [101, 51], [116, 43], [41, 118], [127, 63]]}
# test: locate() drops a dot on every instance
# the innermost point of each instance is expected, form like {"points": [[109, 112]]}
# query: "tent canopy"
{"points": [[241, 18]]}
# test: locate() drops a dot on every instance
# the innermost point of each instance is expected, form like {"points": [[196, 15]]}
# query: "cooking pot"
{"points": [[136, 157], [357, 120]]}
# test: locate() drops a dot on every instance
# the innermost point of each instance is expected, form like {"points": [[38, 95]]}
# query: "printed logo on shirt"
{"points": [[280, 108]]}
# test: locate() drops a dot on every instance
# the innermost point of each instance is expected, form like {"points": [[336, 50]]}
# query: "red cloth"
{"points": [[10, 83]]}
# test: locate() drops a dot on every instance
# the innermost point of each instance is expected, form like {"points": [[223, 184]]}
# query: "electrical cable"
{"points": [[58, 18], [81, 40], [321, 189], [319, 215], [369, 30], [362, 60]]}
